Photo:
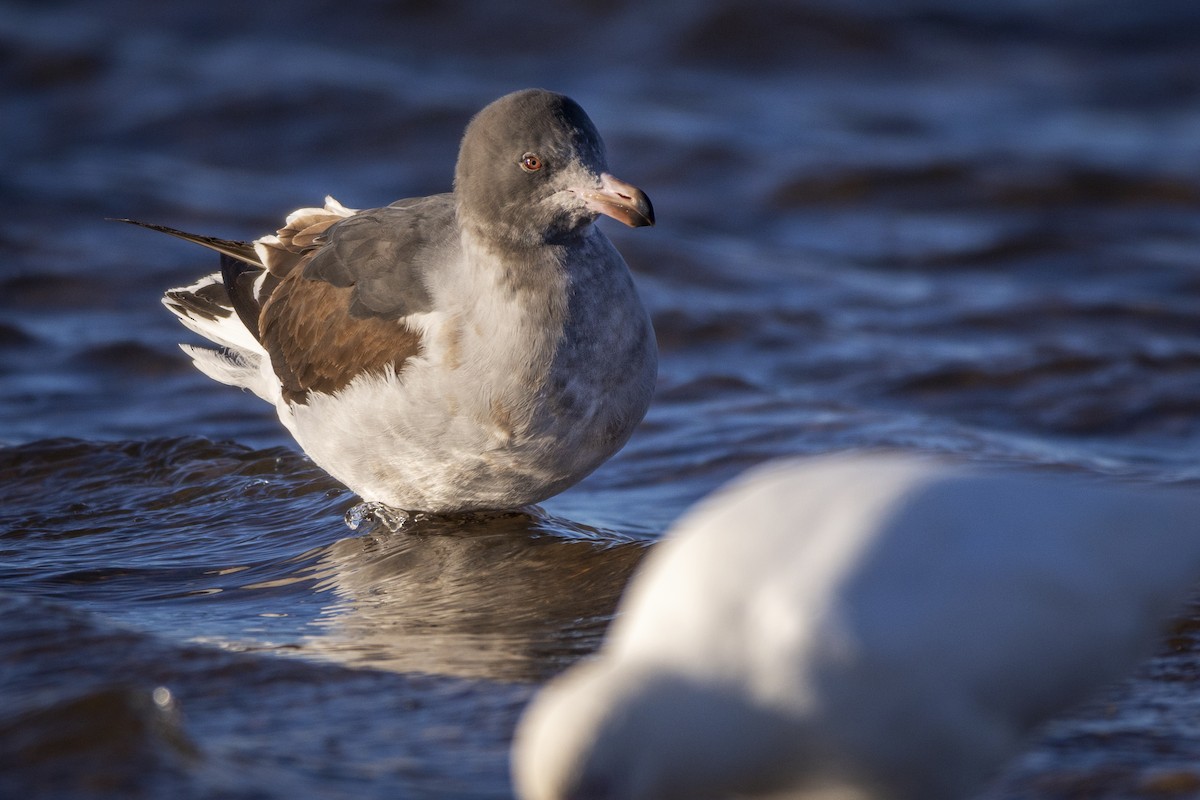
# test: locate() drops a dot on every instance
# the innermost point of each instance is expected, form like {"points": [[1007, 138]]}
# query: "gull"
{"points": [[876, 626], [480, 349]]}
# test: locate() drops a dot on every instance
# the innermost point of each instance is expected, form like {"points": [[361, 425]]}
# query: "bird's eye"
{"points": [[530, 162]]}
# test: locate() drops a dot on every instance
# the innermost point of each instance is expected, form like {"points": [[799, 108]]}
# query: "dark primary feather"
{"points": [[240, 266], [242, 251], [239, 279]]}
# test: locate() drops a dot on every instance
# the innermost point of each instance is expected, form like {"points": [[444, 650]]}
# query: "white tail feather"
{"points": [[242, 361], [233, 368], [227, 331]]}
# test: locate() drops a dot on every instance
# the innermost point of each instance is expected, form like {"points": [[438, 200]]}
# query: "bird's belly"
{"points": [[418, 442]]}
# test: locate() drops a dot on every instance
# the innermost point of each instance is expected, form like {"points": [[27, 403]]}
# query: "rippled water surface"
{"points": [[961, 228]]}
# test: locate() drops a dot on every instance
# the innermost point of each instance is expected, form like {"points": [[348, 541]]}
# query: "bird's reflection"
{"points": [[507, 596]]}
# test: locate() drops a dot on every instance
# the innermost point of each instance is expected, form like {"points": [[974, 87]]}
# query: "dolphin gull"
{"points": [[479, 349]]}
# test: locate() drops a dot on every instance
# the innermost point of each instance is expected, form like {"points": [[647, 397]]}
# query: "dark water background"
{"points": [[957, 227]]}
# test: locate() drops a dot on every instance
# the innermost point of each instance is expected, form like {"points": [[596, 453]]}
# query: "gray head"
{"points": [[532, 169]]}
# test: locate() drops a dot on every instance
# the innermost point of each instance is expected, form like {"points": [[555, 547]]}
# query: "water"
{"points": [[961, 228]]}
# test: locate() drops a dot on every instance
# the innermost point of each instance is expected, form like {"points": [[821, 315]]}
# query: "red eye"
{"points": [[530, 162]]}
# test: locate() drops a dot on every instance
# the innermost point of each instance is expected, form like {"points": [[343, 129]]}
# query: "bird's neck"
{"points": [[527, 274]]}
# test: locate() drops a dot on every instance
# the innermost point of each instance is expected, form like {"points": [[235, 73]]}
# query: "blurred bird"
{"points": [[860, 627]]}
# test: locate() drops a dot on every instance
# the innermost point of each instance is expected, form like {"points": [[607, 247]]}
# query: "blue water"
{"points": [[963, 228]]}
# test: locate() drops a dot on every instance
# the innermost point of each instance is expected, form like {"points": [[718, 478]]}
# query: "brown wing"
{"points": [[316, 345], [338, 287]]}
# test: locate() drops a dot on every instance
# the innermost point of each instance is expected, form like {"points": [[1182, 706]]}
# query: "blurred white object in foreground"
{"points": [[867, 627]]}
